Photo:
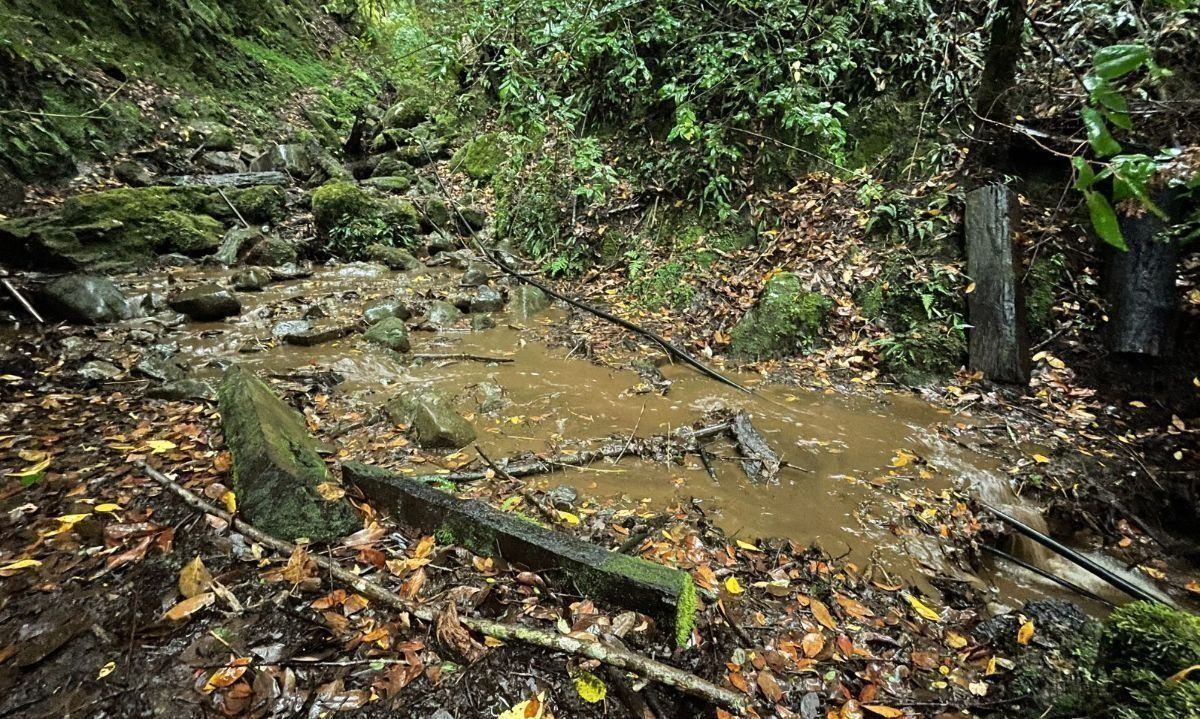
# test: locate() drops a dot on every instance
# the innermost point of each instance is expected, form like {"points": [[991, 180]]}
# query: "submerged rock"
{"points": [[99, 371], [207, 302], [482, 322], [389, 332], [276, 467], [490, 396], [443, 314], [384, 309], [314, 333], [528, 301], [393, 257], [88, 299], [251, 279]]}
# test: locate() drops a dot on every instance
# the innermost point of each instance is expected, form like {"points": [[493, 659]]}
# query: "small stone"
{"points": [[480, 323], [486, 299], [99, 371], [384, 309], [563, 496], [133, 174], [175, 260], [391, 333], [207, 302], [490, 396], [184, 389], [251, 279], [290, 327]]}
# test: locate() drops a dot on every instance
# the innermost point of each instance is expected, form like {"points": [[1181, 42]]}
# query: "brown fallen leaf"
{"points": [[194, 578], [453, 635], [884, 711], [821, 613], [769, 685], [190, 606]]}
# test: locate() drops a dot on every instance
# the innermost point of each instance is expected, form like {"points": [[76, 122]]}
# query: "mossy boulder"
{"points": [[276, 467], [436, 425], [337, 203], [1146, 635], [390, 333], [394, 258], [481, 158], [787, 319], [128, 228], [393, 184], [391, 166]]}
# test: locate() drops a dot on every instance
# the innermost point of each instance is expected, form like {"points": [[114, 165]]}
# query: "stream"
{"points": [[855, 457]]}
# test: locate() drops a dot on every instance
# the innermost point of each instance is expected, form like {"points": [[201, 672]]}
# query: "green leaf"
{"points": [[1116, 60], [1104, 220], [1087, 176], [1098, 135]]}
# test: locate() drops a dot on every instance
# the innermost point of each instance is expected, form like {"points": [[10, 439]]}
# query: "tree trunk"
{"points": [[999, 341], [993, 101]]}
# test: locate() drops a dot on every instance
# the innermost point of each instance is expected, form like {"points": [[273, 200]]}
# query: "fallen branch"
{"points": [[606, 654], [462, 356]]}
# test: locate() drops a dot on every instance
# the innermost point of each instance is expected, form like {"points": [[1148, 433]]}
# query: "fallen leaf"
{"points": [[194, 578], [590, 687], [106, 670], [190, 606], [330, 491], [14, 567], [733, 586], [921, 608], [158, 446], [821, 612], [884, 711], [1025, 633], [532, 708]]}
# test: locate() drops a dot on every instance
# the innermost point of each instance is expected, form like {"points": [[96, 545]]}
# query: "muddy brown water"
{"points": [[841, 498]]}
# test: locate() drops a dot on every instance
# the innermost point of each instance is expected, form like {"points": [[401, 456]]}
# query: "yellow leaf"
{"points": [[970, 289], [330, 491], [106, 670], [920, 608], [33, 471], [955, 640], [1055, 362], [229, 499], [1041, 459], [108, 507], [1025, 633], [13, 567], [532, 708], [884, 711], [568, 517], [733, 586], [590, 687], [158, 446], [194, 578], [748, 546], [1182, 674]]}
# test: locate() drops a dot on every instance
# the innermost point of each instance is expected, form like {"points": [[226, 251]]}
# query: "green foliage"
{"points": [[706, 83], [1041, 282]]}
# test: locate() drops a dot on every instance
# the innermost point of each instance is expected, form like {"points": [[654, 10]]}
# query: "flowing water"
{"points": [[849, 452]]}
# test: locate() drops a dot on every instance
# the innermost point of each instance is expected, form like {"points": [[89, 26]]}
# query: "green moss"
{"points": [[482, 157], [665, 286], [337, 203], [259, 204], [676, 582], [1041, 292], [785, 320], [1151, 636]]}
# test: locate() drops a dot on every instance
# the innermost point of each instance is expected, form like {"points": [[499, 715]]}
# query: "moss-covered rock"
{"points": [[337, 203], [1041, 292], [394, 258], [276, 468], [481, 158], [128, 227], [786, 319], [1151, 636], [436, 425], [390, 333], [391, 166], [394, 184]]}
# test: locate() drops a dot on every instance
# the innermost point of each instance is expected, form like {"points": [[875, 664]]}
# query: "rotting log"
{"points": [[668, 595], [1142, 296], [276, 467], [232, 179], [999, 340]]}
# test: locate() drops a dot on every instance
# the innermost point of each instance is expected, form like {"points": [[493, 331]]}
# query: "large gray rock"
{"points": [[389, 332], [293, 159], [251, 279], [205, 303], [394, 258], [87, 298], [276, 467], [476, 275], [486, 299], [528, 301], [306, 333], [235, 243]]}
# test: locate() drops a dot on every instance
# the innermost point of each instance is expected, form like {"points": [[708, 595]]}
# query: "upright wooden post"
{"points": [[1142, 296], [999, 338]]}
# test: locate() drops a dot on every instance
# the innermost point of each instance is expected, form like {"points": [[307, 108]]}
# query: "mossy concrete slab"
{"points": [[276, 468], [668, 595]]}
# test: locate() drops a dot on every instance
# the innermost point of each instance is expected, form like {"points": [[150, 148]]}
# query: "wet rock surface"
{"points": [[389, 333], [206, 303], [88, 299]]}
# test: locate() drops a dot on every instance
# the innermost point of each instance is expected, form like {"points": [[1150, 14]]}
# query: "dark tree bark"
{"points": [[999, 342], [993, 100]]}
